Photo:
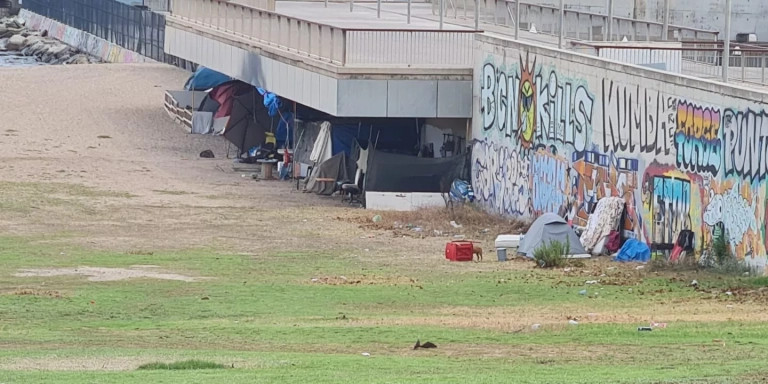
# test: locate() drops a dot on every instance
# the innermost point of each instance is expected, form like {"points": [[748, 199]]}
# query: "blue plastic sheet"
{"points": [[462, 191], [205, 78], [634, 250], [271, 101]]}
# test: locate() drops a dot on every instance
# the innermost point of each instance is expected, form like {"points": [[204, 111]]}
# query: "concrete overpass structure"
{"points": [[347, 64]]}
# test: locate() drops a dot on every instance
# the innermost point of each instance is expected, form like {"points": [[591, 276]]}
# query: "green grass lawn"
{"points": [[265, 320]]}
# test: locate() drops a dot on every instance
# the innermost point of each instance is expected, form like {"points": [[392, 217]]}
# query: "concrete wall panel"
{"points": [[362, 98], [412, 98]]}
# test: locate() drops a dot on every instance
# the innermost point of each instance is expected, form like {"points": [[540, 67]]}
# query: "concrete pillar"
{"points": [[727, 41]]}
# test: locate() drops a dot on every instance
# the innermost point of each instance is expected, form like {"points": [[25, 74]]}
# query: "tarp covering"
{"points": [[634, 250], [333, 169], [388, 172], [322, 151], [392, 135], [546, 228], [225, 94], [205, 78]]}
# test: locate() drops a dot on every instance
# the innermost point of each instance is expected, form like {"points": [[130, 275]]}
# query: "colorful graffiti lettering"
{"points": [[542, 149], [550, 184], [546, 109], [697, 138], [637, 120], [600, 175], [500, 177], [745, 139], [736, 213]]}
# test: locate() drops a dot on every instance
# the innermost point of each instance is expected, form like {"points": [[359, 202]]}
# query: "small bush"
{"points": [[552, 255], [179, 365], [721, 250]]}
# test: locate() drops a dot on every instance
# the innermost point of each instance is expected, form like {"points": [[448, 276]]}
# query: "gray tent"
{"points": [[546, 228]]}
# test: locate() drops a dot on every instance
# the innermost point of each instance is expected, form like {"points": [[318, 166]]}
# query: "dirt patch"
{"points": [[107, 274], [364, 280], [464, 220], [36, 293]]}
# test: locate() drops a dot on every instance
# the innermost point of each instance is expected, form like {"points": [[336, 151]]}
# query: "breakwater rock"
{"points": [[15, 36]]}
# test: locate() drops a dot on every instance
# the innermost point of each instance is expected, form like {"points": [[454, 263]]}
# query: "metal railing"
{"points": [[336, 45], [700, 59], [578, 25]]}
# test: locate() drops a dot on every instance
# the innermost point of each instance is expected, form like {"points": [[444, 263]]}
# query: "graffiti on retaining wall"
{"points": [[637, 120], [745, 140], [500, 177], [528, 105], [697, 138], [547, 144]]}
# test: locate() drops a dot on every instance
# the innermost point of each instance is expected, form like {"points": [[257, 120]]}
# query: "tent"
{"points": [[391, 172], [204, 79], [546, 228], [248, 120]]}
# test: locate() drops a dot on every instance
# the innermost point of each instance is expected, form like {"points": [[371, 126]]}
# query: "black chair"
{"points": [[354, 191]]}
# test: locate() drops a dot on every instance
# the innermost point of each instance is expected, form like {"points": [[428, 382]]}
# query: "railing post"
{"points": [[743, 66], [477, 15], [351, 5], [610, 20], [442, 4], [326, 3], [762, 65], [517, 19], [665, 28], [562, 25], [409, 11], [378, 9], [727, 41]]}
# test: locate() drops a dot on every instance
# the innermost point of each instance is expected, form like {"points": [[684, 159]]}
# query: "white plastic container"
{"points": [[508, 241]]}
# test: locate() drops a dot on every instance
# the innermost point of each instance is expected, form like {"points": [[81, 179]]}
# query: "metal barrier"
{"points": [[133, 28], [747, 64], [340, 46], [578, 25]]}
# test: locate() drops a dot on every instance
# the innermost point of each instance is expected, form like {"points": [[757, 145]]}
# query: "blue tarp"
{"points": [[634, 250], [271, 101], [204, 79]]}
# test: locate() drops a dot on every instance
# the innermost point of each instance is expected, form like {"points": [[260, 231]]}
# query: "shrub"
{"points": [[179, 365], [552, 255]]}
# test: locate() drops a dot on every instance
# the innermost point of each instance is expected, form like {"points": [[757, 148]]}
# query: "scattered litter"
{"points": [[315, 280], [658, 325], [62, 253], [640, 267], [567, 269], [425, 345], [573, 322], [603, 275], [694, 283], [377, 218], [729, 293], [729, 306], [305, 220], [366, 354], [535, 326], [583, 292], [486, 230], [644, 329], [417, 229], [437, 233], [458, 237], [455, 225], [343, 277], [367, 250], [630, 290], [746, 273], [590, 282], [611, 268]]}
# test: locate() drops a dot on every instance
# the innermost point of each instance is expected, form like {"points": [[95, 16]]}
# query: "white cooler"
{"points": [[508, 241]]}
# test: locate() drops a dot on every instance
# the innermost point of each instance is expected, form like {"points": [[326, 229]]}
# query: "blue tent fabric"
{"points": [[634, 250], [205, 78], [271, 101], [395, 135]]}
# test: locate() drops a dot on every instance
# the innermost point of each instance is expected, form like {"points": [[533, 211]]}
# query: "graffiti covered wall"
{"points": [[556, 131]]}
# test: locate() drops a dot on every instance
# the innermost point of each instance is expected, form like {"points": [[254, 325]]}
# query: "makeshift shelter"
{"points": [[327, 174], [601, 223], [547, 228], [204, 79], [248, 120], [390, 172]]}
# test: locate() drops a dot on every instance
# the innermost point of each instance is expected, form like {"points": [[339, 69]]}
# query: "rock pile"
{"points": [[16, 37]]}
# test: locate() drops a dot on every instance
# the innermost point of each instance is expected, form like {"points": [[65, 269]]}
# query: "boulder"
{"points": [[58, 50], [32, 40], [15, 43]]}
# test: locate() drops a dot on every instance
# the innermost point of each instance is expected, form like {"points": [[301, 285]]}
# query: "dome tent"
{"points": [[550, 227]]}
